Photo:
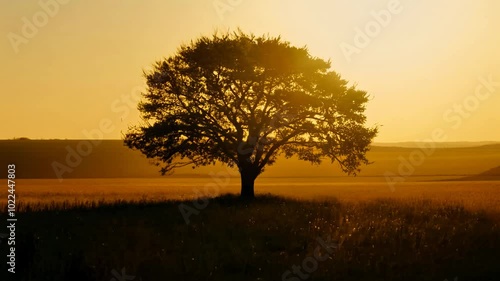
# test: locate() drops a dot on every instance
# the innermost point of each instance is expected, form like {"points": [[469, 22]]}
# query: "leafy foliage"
{"points": [[244, 100]]}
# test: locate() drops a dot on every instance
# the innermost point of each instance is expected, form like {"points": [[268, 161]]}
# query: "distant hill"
{"points": [[491, 174], [437, 144], [111, 159]]}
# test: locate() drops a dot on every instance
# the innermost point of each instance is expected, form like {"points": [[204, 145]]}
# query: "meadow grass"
{"points": [[231, 239], [35, 194]]}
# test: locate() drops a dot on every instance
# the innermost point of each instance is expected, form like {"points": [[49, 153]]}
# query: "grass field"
{"points": [[442, 222], [92, 229], [267, 239], [473, 195]]}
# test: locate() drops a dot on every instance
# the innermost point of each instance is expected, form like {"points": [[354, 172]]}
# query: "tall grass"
{"points": [[233, 239]]}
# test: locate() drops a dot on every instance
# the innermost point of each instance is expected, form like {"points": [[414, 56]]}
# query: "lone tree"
{"points": [[244, 100]]}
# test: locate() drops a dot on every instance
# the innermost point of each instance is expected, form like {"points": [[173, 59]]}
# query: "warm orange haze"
{"points": [[250, 140], [84, 64]]}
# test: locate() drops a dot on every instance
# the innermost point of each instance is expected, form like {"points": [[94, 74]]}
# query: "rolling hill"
{"points": [[111, 159]]}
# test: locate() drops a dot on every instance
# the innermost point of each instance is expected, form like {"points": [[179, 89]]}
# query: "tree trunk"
{"points": [[247, 184]]}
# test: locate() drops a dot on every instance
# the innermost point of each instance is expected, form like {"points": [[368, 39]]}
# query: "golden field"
{"points": [[469, 175], [473, 195]]}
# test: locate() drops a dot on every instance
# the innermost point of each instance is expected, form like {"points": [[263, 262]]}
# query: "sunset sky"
{"points": [[82, 64]]}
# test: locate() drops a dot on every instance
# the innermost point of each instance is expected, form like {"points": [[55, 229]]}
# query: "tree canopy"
{"points": [[244, 100]]}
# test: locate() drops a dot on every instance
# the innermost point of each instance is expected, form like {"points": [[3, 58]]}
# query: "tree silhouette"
{"points": [[244, 100]]}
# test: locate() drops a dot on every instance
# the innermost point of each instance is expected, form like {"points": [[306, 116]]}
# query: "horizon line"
{"points": [[377, 142]]}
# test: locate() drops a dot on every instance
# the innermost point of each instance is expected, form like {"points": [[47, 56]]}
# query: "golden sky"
{"points": [[71, 68]]}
